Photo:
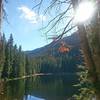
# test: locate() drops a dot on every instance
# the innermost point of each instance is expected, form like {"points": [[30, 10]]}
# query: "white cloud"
{"points": [[30, 15]]}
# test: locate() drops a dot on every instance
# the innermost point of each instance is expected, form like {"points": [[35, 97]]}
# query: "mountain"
{"points": [[72, 41], [61, 56]]}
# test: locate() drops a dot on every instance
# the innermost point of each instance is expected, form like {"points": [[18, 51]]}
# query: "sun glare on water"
{"points": [[84, 11]]}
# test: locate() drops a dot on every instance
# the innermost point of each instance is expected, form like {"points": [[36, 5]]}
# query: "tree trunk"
{"points": [[0, 15], [84, 42], [0, 35], [97, 38], [0, 20], [92, 58]]}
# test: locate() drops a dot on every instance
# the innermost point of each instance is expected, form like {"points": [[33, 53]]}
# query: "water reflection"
{"points": [[52, 87], [29, 97]]}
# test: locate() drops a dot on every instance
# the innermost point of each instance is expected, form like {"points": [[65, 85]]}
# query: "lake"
{"points": [[47, 87]]}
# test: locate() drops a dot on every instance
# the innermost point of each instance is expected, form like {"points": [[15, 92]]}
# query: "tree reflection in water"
{"points": [[51, 87]]}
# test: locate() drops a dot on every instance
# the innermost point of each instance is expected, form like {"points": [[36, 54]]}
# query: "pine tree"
{"points": [[8, 58], [6, 67], [10, 43], [21, 64], [14, 72], [27, 65]]}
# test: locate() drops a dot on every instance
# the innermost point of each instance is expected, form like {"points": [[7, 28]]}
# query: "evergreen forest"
{"points": [[16, 63]]}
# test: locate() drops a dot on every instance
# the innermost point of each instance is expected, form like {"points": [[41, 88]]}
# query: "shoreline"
{"points": [[37, 74]]}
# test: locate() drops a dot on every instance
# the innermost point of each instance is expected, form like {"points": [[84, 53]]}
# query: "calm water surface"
{"points": [[51, 87]]}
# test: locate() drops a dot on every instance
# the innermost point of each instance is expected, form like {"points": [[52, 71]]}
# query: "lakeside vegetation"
{"points": [[15, 64]]}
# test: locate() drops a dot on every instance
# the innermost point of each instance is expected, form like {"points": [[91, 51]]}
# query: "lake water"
{"points": [[49, 87]]}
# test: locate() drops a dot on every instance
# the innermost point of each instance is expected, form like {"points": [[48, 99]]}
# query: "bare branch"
{"points": [[63, 2], [59, 15], [38, 5], [64, 31], [53, 4], [60, 36], [67, 31], [5, 16], [58, 18]]}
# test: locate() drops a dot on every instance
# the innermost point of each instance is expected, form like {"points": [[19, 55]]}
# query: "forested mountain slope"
{"points": [[72, 42], [58, 57]]}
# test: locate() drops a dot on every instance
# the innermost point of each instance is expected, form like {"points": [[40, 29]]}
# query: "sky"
{"points": [[25, 23]]}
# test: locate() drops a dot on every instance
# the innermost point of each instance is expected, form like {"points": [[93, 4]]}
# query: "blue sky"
{"points": [[25, 23]]}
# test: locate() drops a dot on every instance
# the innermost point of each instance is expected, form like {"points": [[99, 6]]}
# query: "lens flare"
{"points": [[84, 11]]}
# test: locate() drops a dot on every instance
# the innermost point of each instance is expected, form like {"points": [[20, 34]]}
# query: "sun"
{"points": [[84, 11]]}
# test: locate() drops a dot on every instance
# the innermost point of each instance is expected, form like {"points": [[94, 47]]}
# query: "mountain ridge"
{"points": [[73, 41]]}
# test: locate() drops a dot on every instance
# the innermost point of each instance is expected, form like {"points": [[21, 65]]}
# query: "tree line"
{"points": [[12, 59], [16, 63]]}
